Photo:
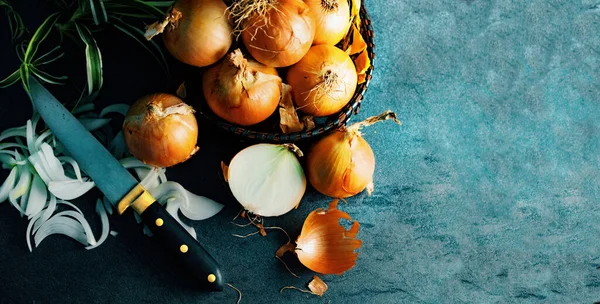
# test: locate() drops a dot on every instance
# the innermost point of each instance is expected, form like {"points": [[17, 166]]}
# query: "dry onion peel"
{"points": [[342, 163], [241, 91], [325, 246], [316, 286], [267, 179], [289, 121]]}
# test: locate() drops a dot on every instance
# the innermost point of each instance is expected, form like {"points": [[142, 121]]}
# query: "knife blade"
{"points": [[122, 189]]}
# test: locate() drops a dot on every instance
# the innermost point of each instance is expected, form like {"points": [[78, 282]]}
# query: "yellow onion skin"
{"points": [[332, 19], [324, 81], [326, 247], [202, 35], [243, 94], [281, 37], [341, 164], [161, 130]]}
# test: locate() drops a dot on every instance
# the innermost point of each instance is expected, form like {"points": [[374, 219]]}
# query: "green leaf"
{"points": [[50, 55], [98, 11], [125, 5], [15, 23], [10, 80], [40, 34], [24, 75], [164, 4], [138, 35], [47, 77], [93, 59]]}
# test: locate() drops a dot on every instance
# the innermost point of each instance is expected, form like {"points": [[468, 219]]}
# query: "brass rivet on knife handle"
{"points": [[138, 198]]}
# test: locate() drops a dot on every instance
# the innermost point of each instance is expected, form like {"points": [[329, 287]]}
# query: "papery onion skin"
{"points": [[324, 246], [324, 81], [203, 33], [241, 91], [332, 19], [267, 179], [282, 36], [341, 164], [161, 130]]}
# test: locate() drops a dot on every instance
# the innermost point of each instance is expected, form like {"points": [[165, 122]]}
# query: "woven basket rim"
{"points": [[334, 121]]}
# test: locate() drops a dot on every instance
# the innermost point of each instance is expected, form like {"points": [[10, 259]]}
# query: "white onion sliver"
{"points": [[120, 108], [4, 146], [162, 176], [70, 189], [37, 197], [114, 233], [64, 225], [199, 207], [14, 132], [41, 138], [132, 162], [169, 188], [93, 124], [37, 160], [149, 177], [105, 225], [21, 188], [46, 213], [73, 163], [107, 205], [55, 168], [30, 137], [28, 232], [8, 184], [84, 223]]}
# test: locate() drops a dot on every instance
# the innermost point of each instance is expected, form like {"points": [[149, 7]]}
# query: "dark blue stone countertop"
{"points": [[488, 193]]}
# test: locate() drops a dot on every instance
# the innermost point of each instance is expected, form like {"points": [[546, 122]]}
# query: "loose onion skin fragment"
{"points": [[324, 246], [161, 130]]}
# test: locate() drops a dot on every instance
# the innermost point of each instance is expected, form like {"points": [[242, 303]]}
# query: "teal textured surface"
{"points": [[488, 192]]}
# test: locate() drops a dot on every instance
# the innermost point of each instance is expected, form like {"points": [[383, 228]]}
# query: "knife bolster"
{"points": [[138, 198]]}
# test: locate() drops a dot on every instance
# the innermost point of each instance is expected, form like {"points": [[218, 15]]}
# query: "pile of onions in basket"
{"points": [[245, 89]]}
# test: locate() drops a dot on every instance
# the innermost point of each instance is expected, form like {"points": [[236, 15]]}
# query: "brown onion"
{"points": [[198, 32], [240, 90], [342, 163], [332, 19], [324, 81], [161, 130], [277, 33]]}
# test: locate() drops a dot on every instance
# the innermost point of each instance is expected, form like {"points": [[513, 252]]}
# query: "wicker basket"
{"points": [[269, 130]]}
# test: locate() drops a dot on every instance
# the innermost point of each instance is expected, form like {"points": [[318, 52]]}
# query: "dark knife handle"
{"points": [[183, 246]]}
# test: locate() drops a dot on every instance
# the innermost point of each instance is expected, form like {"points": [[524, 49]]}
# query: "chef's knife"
{"points": [[121, 188]]}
